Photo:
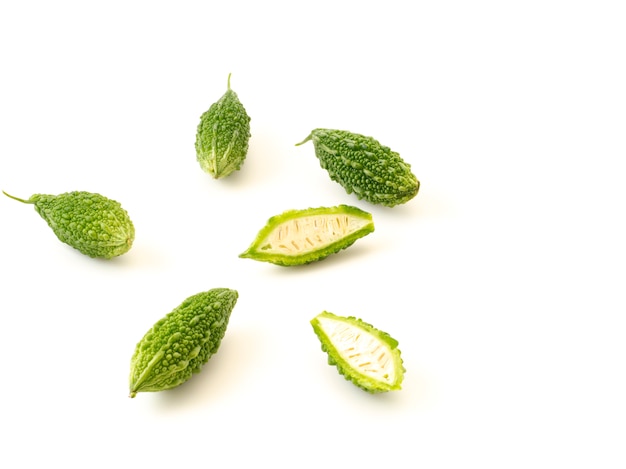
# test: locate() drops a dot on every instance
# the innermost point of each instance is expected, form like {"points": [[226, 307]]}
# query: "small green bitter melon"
{"points": [[91, 223], [223, 136], [297, 237], [364, 355], [364, 167], [179, 344]]}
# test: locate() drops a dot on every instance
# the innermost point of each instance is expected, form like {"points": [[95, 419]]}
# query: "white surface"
{"points": [[503, 280]]}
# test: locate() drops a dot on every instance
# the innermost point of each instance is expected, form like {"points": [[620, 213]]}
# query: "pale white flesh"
{"points": [[361, 350], [306, 234]]}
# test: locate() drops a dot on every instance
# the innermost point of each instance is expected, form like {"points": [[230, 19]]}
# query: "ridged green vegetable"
{"points": [[92, 223], [298, 237], [364, 355], [223, 135], [363, 166], [179, 344]]}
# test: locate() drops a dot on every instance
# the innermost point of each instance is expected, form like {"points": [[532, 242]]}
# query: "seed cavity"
{"points": [[360, 349], [304, 234]]}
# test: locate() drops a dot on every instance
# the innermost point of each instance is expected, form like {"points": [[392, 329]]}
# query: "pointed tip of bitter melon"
{"points": [[247, 254], [364, 355]]}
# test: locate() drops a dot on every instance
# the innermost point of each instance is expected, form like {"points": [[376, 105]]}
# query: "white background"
{"points": [[503, 280]]}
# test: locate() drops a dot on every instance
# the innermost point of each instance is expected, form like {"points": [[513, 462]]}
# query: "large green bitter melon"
{"points": [[180, 343], [364, 167], [223, 135], [89, 222]]}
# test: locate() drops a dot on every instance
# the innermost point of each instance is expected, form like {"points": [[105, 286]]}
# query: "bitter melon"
{"points": [[179, 344], [298, 237], [364, 167], [223, 136], [364, 355], [91, 223]]}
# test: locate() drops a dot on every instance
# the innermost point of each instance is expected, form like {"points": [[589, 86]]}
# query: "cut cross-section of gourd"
{"points": [[298, 237], [367, 356]]}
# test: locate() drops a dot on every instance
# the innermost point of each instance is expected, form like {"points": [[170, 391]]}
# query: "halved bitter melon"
{"points": [[364, 355], [298, 237]]}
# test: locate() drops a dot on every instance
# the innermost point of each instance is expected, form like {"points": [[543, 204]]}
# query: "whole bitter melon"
{"points": [[363, 166], [91, 223], [179, 344], [223, 135]]}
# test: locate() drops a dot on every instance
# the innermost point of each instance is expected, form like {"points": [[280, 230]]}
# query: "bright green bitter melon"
{"points": [[91, 223], [364, 355], [297, 237], [223, 136], [180, 343], [363, 166]]}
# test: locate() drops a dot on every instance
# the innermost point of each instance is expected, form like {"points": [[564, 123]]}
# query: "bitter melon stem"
{"points": [[305, 140], [17, 198], [229, 80]]}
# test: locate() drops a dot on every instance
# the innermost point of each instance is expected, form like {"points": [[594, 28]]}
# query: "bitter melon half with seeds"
{"points": [[364, 355], [89, 222], [223, 135], [297, 237], [364, 167], [179, 344]]}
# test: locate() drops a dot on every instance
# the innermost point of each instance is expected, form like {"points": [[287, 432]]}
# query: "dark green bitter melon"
{"points": [[223, 135], [364, 167], [179, 344], [91, 223]]}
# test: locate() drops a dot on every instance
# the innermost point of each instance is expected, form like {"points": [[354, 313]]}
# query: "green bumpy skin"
{"points": [[364, 355], [363, 166], [222, 136], [298, 237], [91, 223], [179, 344]]}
